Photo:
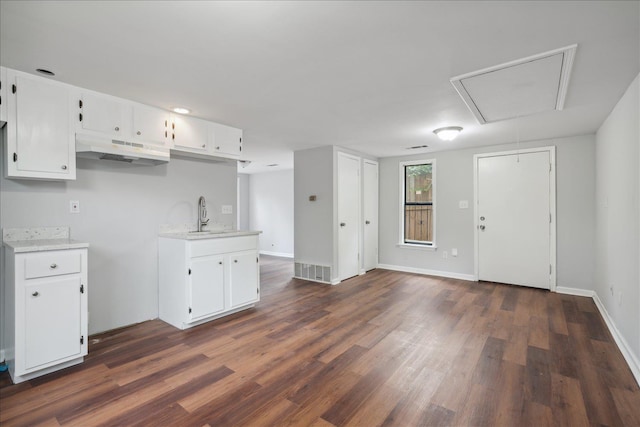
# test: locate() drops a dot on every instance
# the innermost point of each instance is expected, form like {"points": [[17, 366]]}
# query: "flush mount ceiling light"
{"points": [[181, 110], [449, 133]]}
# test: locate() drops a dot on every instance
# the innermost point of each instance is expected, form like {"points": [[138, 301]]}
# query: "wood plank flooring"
{"points": [[386, 348]]}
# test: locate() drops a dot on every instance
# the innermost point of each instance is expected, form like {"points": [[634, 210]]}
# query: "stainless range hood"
{"points": [[100, 148]]}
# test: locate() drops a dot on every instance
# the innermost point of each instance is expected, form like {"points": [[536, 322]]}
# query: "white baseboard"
{"points": [[575, 291], [468, 277], [626, 351], [280, 254], [2, 356]]}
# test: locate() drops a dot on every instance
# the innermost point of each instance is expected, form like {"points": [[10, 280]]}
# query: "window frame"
{"points": [[402, 176]]}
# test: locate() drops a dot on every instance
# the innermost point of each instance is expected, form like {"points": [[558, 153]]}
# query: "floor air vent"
{"points": [[317, 273]]}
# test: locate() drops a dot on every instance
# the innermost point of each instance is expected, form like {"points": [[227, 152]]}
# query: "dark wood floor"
{"points": [[386, 348]]}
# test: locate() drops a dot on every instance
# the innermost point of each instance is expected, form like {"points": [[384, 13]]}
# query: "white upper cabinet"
{"points": [[190, 134], [104, 114], [3, 96], [228, 140], [40, 140], [150, 124]]}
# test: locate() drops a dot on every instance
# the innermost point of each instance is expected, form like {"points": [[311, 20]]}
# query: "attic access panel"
{"points": [[518, 88]]}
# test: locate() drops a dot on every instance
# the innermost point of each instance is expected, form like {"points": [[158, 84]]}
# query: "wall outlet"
{"points": [[454, 252], [463, 204], [445, 255], [74, 206], [227, 209]]}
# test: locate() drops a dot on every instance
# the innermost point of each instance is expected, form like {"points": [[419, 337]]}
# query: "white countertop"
{"points": [[195, 235], [36, 245]]}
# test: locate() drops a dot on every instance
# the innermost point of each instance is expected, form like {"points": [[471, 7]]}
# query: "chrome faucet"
{"points": [[202, 213]]}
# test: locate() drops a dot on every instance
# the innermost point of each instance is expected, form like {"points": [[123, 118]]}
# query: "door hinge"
{"points": [[549, 217], [15, 157], [80, 103], [549, 268], [189, 272], [257, 259], [80, 116], [550, 167], [82, 289], [14, 89], [82, 339], [258, 290], [189, 310]]}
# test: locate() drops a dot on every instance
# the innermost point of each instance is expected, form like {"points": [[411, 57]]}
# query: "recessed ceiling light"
{"points": [[449, 133], [181, 110], [45, 72]]}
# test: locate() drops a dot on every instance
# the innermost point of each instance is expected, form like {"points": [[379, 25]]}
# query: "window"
{"points": [[417, 179]]}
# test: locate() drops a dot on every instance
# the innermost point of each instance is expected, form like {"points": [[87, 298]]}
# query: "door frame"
{"points": [[552, 207]]}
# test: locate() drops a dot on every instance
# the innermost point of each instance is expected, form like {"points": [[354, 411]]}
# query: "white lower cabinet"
{"points": [[45, 311], [204, 279]]}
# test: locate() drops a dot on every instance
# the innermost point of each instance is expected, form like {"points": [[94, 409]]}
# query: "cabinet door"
{"points": [[105, 114], [40, 140], [190, 133], [150, 124], [3, 96], [52, 321], [227, 140], [244, 278], [207, 286]]}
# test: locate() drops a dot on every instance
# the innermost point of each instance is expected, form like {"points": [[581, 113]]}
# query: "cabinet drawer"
{"points": [[223, 245], [51, 264]]}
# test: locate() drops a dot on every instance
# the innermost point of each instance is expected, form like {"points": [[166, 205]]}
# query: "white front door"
{"points": [[370, 214], [348, 216], [514, 201]]}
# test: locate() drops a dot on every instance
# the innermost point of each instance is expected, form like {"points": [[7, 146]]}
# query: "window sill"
{"points": [[418, 247]]}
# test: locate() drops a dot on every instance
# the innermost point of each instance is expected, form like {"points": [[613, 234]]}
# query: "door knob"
{"points": [[342, 224], [35, 294], [482, 227], [367, 222]]}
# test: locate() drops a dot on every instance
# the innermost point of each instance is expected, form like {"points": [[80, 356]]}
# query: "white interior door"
{"points": [[514, 219], [370, 214], [348, 215]]}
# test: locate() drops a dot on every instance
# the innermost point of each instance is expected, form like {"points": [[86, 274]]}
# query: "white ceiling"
{"points": [[371, 76]]}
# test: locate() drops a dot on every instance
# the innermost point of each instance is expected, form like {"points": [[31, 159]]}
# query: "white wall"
{"points": [[243, 201], [618, 216], [271, 211], [121, 209], [313, 221], [575, 163]]}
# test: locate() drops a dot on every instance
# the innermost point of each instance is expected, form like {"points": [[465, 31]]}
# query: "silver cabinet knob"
{"points": [[53, 266], [117, 129], [35, 294], [64, 167]]}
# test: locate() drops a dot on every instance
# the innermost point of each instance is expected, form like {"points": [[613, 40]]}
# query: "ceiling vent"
{"points": [[518, 88]]}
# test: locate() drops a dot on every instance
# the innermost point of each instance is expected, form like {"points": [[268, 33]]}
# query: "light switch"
{"points": [[227, 209], [463, 204]]}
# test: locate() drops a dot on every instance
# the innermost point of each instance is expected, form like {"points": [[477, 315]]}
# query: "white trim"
{"points": [[574, 291], [624, 347], [451, 275], [279, 254], [552, 207], [418, 247], [434, 179]]}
